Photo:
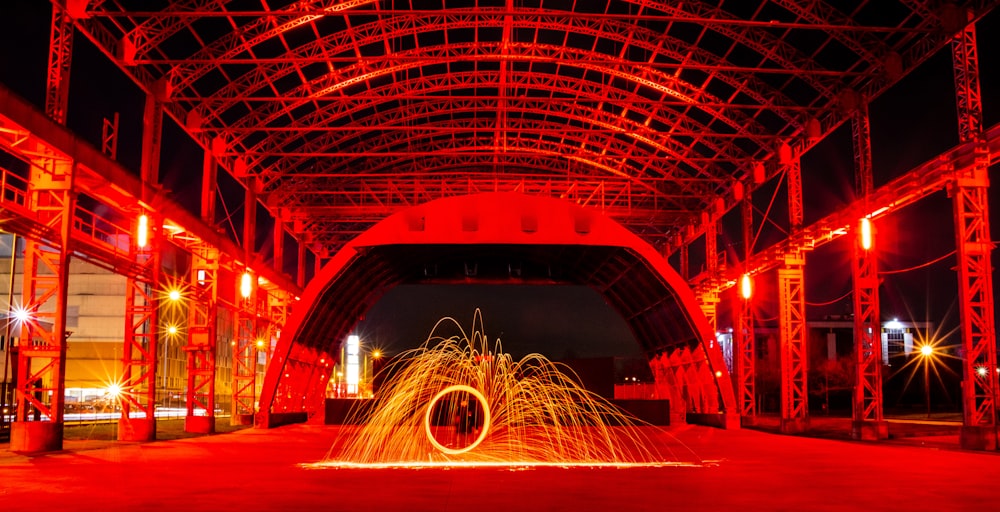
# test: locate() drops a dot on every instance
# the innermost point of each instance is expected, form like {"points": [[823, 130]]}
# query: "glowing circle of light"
{"points": [[926, 350], [486, 418]]}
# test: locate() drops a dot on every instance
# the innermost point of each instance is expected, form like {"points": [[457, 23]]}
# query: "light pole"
{"points": [[926, 352]]}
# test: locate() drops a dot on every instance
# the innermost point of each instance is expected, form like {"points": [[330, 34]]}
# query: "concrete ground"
{"points": [[746, 469]]}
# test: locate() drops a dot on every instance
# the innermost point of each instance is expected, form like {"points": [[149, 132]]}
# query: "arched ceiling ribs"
{"points": [[333, 83], [251, 34], [655, 44], [391, 147], [324, 119], [870, 49], [145, 38]]}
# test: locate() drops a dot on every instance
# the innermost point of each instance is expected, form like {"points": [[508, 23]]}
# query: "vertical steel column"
{"points": [[792, 310], [40, 385], [279, 246], [868, 422], [791, 326], [209, 182], [244, 362], [972, 233], [744, 351], [708, 295], [685, 262], [202, 314], [60, 57], [139, 354], [300, 268]]}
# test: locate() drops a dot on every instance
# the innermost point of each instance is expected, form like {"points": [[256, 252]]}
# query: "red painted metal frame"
{"points": [[868, 408], [387, 72], [744, 340], [295, 367], [867, 415], [41, 347], [202, 340], [142, 338], [792, 337], [60, 56], [975, 272]]}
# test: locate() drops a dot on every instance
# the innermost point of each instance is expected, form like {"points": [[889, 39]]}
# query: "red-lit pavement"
{"points": [[260, 470]]}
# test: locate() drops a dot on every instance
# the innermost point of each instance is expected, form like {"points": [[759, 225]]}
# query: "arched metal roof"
{"points": [[339, 113]]}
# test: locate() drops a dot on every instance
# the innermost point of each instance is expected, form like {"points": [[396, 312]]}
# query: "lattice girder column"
{"points": [[975, 293], [792, 336], [969, 193], [744, 343], [247, 334], [868, 420], [201, 347], [60, 57], [140, 350], [40, 385]]}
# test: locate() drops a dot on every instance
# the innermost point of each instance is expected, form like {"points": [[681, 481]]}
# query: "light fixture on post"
{"points": [[866, 234], [746, 286], [142, 235], [246, 285]]}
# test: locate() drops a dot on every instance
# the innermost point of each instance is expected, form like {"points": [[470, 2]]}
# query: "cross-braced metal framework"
{"points": [[335, 114], [338, 113], [142, 330]]}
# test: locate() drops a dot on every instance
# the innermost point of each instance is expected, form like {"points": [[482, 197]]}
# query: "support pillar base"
{"points": [[794, 425], [979, 438], [749, 421], [137, 429], [36, 436], [199, 424], [241, 419], [869, 430]]}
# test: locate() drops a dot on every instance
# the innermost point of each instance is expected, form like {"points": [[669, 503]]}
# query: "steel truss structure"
{"points": [[336, 114]]}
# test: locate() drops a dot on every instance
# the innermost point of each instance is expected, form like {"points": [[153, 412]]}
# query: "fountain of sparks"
{"points": [[455, 401]]}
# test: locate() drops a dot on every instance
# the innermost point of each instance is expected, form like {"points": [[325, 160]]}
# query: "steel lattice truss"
{"points": [[341, 112]]}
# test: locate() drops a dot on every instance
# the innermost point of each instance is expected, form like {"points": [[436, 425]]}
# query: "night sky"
{"points": [[910, 124]]}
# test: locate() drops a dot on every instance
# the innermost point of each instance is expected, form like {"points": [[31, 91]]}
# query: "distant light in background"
{"points": [[174, 295]]}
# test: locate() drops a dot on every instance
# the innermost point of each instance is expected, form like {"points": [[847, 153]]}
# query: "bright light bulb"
{"points": [[20, 314], [866, 234], [926, 350], [172, 330], [143, 235], [174, 295], [746, 286], [981, 370], [246, 286]]}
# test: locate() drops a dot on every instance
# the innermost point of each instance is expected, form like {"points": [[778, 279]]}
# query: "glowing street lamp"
{"points": [[746, 287], [927, 353], [142, 235], [246, 285], [866, 234]]}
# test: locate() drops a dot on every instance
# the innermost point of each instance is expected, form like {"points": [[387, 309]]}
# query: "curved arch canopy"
{"points": [[338, 113], [543, 238]]}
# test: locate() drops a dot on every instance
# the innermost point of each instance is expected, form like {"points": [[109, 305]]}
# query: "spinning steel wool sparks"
{"points": [[457, 401]]}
